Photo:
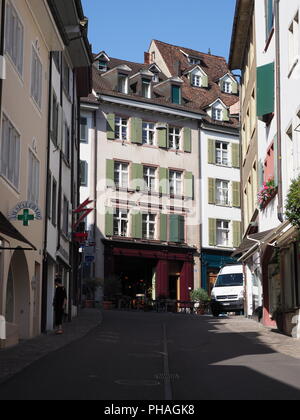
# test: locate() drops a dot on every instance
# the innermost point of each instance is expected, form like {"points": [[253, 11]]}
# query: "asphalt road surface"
{"points": [[154, 356]]}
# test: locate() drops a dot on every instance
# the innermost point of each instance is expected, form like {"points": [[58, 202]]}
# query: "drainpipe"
{"points": [[2, 35], [278, 111]]}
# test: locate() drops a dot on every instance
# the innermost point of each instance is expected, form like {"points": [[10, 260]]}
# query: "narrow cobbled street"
{"points": [[154, 356]]}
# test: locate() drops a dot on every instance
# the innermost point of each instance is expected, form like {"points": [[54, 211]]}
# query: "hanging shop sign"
{"points": [[25, 212]]}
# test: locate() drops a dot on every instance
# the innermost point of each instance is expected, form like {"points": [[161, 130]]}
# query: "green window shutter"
{"points": [[235, 88], [189, 184], [137, 176], [236, 194], [109, 222], [163, 227], [211, 151], [211, 191], [275, 160], [164, 180], [176, 95], [136, 130], [212, 232], [265, 90], [236, 228], [235, 155], [187, 132], [204, 81], [176, 228], [110, 126], [110, 172], [225, 114], [137, 226], [162, 138]]}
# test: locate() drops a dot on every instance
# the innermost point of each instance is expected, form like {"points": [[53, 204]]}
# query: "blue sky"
{"points": [[124, 29]]}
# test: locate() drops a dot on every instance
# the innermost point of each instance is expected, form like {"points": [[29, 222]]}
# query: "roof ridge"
{"points": [[190, 49]]}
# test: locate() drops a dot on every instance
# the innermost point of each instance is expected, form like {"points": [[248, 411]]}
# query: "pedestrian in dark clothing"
{"points": [[59, 304]]}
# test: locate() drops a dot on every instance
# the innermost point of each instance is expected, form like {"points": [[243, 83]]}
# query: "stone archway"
{"points": [[18, 294]]}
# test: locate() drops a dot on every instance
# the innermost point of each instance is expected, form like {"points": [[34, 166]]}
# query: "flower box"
{"points": [[266, 194]]}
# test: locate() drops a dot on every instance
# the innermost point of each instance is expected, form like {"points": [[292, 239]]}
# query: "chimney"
{"points": [[147, 58]]}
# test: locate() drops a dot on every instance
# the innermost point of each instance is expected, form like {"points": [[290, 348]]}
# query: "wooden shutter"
{"points": [[109, 222], [265, 90], [176, 95], [235, 155], [137, 176], [189, 184], [211, 191], [211, 151], [204, 81], [137, 226], [187, 133], [212, 232], [235, 88], [162, 138], [163, 227], [110, 126], [110, 172], [236, 228], [236, 194], [136, 130], [163, 180], [176, 223], [225, 114]]}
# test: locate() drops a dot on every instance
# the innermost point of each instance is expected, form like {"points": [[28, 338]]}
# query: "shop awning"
{"points": [[252, 242], [7, 229]]}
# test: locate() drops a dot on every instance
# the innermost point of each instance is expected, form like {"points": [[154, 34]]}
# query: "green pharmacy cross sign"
{"points": [[26, 217]]}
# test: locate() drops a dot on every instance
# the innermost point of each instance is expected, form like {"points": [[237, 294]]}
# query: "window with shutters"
{"points": [[14, 37], [217, 114], [150, 178], [10, 153], [55, 112], [148, 133], [222, 153], [121, 174], [293, 41], [83, 130], [36, 78], [121, 222], [196, 80], [227, 87], [121, 128], [176, 94], [102, 65], [222, 192], [149, 226], [174, 138], [33, 178], [176, 183], [223, 233]]}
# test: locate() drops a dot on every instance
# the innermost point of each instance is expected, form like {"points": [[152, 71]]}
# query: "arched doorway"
{"points": [[18, 294]]}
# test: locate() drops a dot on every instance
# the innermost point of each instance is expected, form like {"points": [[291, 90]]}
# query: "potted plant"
{"points": [[201, 299], [267, 193], [293, 203]]}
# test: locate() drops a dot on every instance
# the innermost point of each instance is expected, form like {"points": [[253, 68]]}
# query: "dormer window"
{"points": [[228, 84], [146, 88], [193, 60], [155, 78], [123, 83], [102, 65]]}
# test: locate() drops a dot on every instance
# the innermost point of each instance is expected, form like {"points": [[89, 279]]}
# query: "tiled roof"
{"points": [[194, 99]]}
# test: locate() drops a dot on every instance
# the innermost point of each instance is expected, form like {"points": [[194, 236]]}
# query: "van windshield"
{"points": [[233, 279]]}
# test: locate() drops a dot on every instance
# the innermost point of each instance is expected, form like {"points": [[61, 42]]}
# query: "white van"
{"points": [[229, 290]]}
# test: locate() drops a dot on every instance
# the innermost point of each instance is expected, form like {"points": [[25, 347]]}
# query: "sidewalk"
{"points": [[15, 359], [266, 336]]}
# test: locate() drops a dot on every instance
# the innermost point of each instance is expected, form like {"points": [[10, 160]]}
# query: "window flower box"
{"points": [[266, 194]]}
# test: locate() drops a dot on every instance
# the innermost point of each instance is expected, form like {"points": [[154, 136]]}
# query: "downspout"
{"points": [[278, 112], [48, 195], [200, 210], [2, 43]]}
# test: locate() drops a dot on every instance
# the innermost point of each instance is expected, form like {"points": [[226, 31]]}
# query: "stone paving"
{"points": [[15, 359], [267, 336]]}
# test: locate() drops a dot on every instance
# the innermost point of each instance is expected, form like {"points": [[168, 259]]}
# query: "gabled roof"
{"points": [[214, 102]]}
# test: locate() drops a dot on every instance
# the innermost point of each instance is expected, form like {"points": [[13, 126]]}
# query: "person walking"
{"points": [[59, 304]]}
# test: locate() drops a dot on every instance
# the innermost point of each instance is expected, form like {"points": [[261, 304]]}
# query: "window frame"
{"points": [[222, 229], [36, 78], [84, 127], [175, 182], [123, 83], [83, 179], [150, 178], [118, 218], [173, 137], [222, 152], [146, 92], [11, 163], [147, 222], [146, 130], [119, 126], [33, 187], [14, 50], [216, 114], [222, 192], [122, 175]]}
